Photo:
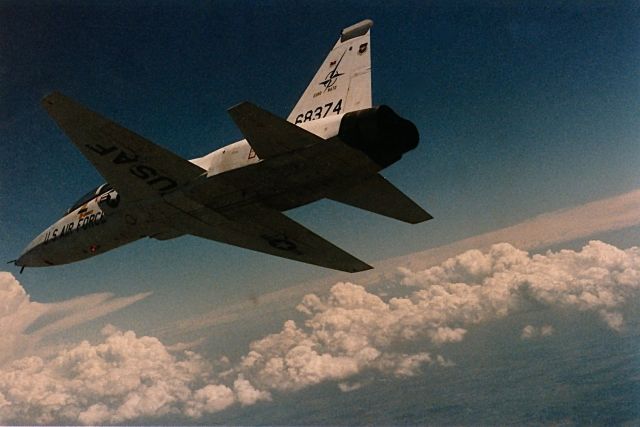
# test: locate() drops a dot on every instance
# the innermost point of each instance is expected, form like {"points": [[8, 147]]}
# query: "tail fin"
{"points": [[343, 82]]}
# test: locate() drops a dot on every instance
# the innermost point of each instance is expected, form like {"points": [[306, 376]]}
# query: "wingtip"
{"points": [[239, 106], [51, 98], [361, 267], [425, 217]]}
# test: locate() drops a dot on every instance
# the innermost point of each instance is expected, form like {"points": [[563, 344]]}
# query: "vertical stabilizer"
{"points": [[343, 82]]}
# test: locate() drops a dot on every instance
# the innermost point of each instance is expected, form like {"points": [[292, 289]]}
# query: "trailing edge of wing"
{"points": [[266, 230], [376, 194], [269, 135], [133, 165]]}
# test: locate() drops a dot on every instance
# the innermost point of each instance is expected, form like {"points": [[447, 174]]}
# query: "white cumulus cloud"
{"points": [[352, 329], [125, 377], [474, 286], [344, 334], [530, 331], [348, 387], [20, 317], [17, 312]]}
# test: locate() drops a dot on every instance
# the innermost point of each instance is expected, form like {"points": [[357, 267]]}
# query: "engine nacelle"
{"points": [[380, 133]]}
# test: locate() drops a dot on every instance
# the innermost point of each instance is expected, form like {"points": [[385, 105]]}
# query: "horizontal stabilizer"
{"points": [[376, 194], [268, 134]]}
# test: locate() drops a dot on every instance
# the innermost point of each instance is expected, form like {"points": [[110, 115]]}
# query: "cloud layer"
{"points": [[123, 378], [530, 332], [24, 323], [348, 332], [599, 278]]}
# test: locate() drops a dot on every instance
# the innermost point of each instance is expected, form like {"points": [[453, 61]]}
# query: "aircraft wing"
{"points": [[376, 194], [266, 230], [134, 166]]}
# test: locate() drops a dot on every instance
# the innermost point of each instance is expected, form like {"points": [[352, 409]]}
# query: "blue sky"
{"points": [[523, 108]]}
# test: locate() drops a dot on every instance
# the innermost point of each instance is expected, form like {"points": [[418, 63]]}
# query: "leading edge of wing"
{"points": [[133, 165], [266, 230]]}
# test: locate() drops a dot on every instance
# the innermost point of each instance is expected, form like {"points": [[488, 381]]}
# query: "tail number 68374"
{"points": [[320, 112]]}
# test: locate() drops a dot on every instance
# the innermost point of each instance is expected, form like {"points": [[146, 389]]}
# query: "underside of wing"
{"points": [[376, 194], [133, 165], [269, 231]]}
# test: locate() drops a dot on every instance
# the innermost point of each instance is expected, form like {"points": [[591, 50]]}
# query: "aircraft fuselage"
{"points": [[95, 227]]}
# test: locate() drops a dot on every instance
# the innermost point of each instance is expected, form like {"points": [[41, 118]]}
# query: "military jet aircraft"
{"points": [[332, 146]]}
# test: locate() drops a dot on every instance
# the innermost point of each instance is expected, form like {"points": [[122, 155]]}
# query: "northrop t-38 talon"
{"points": [[332, 145]]}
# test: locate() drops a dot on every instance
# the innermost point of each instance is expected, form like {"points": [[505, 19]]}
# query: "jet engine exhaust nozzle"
{"points": [[380, 133]]}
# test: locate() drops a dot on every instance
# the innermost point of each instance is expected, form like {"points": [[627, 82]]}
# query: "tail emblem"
{"points": [[333, 75]]}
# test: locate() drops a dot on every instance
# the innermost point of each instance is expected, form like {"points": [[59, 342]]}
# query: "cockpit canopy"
{"points": [[98, 191]]}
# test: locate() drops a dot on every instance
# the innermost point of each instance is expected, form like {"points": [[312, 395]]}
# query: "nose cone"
{"points": [[31, 256], [26, 259]]}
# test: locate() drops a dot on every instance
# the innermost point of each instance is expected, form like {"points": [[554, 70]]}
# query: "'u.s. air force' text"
{"points": [[83, 223]]}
